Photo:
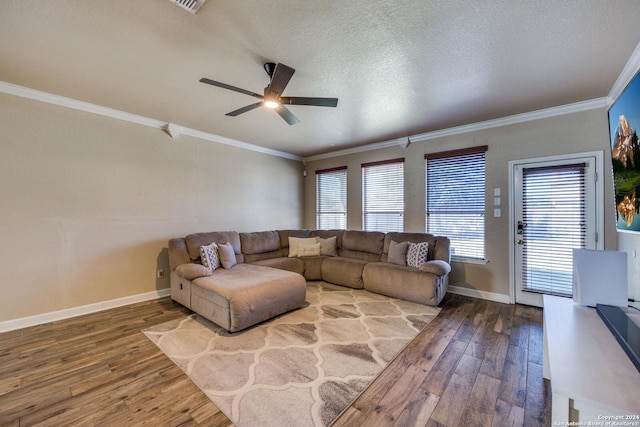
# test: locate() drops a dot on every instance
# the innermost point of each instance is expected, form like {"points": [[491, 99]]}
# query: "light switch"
{"points": [[496, 192], [496, 201], [497, 212]]}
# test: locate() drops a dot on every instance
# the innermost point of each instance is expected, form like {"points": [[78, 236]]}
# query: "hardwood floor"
{"points": [[479, 363]]}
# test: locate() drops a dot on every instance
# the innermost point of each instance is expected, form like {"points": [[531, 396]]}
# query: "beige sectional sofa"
{"points": [[267, 280]]}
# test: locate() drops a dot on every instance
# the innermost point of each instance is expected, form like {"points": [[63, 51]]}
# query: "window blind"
{"points": [[383, 196], [455, 199], [554, 223], [331, 198]]}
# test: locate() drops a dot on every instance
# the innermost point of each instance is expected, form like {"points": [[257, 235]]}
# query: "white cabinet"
{"points": [[589, 371]]}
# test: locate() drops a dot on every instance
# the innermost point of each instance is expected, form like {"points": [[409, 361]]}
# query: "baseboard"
{"points": [[39, 319], [491, 296]]}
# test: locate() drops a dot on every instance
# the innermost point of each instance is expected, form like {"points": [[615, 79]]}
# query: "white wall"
{"points": [[89, 203], [630, 242], [570, 133]]}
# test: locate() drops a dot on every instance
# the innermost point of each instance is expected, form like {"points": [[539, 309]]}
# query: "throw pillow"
{"points": [[209, 256], [227, 255], [295, 241], [308, 249], [328, 246], [417, 254], [192, 271], [398, 253]]}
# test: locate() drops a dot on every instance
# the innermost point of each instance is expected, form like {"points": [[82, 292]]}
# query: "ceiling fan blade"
{"points": [[287, 115], [244, 109], [226, 86], [318, 102], [281, 76]]}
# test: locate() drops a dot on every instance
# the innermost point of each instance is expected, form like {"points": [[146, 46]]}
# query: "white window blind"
{"points": [[455, 193], [554, 222], [383, 195], [331, 198]]}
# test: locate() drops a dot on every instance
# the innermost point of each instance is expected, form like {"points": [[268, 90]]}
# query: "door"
{"points": [[554, 210]]}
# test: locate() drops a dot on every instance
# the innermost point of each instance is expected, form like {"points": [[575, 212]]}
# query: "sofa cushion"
{"points": [[417, 254], [398, 252], [227, 256], [407, 283], [295, 242], [365, 245], [412, 238], [194, 241], [209, 256], [312, 267], [363, 241], [178, 253], [343, 271], [325, 234], [284, 238], [260, 242], [192, 271], [295, 265], [328, 246]]}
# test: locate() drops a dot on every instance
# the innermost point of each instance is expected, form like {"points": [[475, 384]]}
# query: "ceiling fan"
{"points": [[280, 75]]}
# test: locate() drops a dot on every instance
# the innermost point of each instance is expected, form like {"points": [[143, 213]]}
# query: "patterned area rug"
{"points": [[303, 368]]}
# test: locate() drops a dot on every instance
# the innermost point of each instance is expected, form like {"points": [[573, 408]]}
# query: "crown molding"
{"points": [[628, 72], [373, 146], [62, 101], [36, 95], [576, 107], [592, 104]]}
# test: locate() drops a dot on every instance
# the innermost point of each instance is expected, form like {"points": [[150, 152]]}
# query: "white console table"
{"points": [[588, 370]]}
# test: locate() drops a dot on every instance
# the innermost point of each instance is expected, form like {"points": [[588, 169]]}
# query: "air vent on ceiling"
{"points": [[190, 5]]}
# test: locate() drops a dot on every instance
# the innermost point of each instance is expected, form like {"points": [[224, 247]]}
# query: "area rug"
{"points": [[303, 368]]}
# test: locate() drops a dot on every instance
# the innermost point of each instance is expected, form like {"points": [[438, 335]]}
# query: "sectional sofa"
{"points": [[263, 274]]}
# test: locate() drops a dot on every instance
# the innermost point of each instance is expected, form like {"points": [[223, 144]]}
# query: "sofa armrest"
{"points": [[437, 267], [192, 271]]}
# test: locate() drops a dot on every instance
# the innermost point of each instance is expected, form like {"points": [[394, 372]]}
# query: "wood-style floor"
{"points": [[478, 363]]}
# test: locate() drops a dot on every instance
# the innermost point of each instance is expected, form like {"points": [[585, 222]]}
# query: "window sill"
{"points": [[464, 260]]}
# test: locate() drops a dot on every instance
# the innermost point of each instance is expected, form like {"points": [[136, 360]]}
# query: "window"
{"points": [[455, 193], [383, 195], [331, 198]]}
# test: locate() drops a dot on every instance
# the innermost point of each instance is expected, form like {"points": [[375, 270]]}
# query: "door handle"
{"points": [[520, 241]]}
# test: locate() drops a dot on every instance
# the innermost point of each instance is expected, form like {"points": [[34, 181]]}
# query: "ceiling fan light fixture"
{"points": [[280, 75], [270, 100]]}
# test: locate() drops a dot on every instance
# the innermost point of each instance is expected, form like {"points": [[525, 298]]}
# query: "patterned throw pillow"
{"points": [[209, 256], [417, 254]]}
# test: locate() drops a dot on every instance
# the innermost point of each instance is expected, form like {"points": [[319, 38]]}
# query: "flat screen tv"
{"points": [[624, 122]]}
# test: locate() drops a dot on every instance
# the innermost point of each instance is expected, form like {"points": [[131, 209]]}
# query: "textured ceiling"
{"points": [[398, 67]]}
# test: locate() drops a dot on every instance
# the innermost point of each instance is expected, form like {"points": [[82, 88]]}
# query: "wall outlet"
{"points": [[160, 273]]}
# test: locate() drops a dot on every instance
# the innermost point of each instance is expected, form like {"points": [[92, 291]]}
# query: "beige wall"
{"points": [[577, 132], [88, 203]]}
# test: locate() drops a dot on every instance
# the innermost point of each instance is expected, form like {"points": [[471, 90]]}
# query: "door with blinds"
{"points": [[555, 210]]}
